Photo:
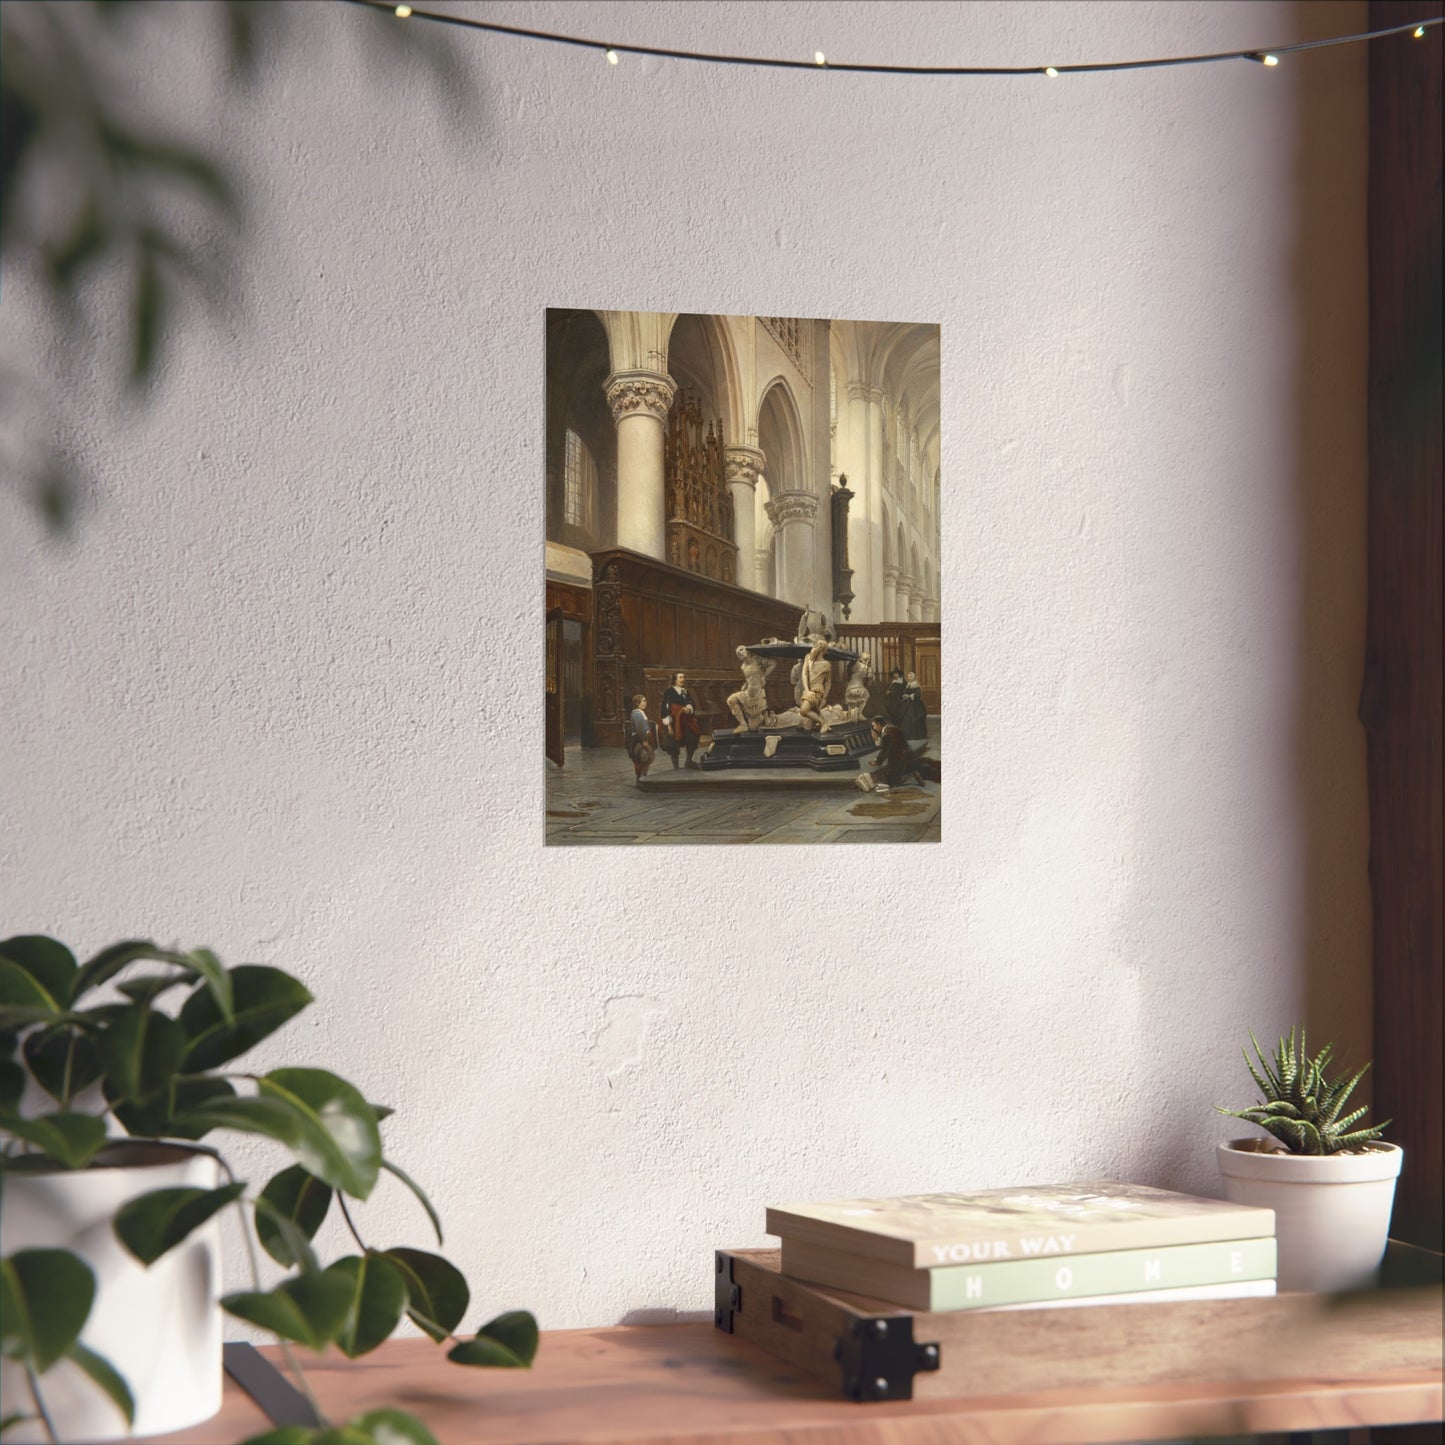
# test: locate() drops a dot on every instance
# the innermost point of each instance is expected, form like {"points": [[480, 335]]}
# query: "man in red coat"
{"points": [[679, 717]]}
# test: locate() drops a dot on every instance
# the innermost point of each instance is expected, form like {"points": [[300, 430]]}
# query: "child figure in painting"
{"points": [[640, 740]]}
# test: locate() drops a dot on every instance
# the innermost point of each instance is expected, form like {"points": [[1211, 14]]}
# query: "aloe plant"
{"points": [[170, 1073], [1302, 1108]]}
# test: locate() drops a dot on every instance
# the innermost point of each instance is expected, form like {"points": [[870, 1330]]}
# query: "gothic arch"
{"points": [[705, 343], [780, 435]]}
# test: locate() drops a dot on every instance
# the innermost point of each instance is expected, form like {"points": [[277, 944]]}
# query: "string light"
{"points": [[1260, 56], [612, 57]]}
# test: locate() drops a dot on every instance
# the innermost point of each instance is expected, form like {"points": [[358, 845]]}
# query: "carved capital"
{"points": [[630, 393], [906, 583], [761, 557], [741, 465], [890, 577], [789, 507], [862, 391]]}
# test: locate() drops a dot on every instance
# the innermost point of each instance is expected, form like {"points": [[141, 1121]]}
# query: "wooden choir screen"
{"points": [[908, 646], [653, 619]]}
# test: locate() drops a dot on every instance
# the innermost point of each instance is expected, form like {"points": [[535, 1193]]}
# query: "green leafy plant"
{"points": [[1302, 1108], [172, 1075]]}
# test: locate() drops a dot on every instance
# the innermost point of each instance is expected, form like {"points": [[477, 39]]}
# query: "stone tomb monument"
{"points": [[816, 735]]}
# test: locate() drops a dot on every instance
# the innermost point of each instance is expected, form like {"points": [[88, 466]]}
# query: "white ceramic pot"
{"points": [[160, 1327], [1331, 1211]]}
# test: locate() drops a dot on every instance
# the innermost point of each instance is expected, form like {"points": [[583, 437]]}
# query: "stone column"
{"points": [[761, 558], [903, 598], [890, 595], [792, 515], [915, 603], [930, 609], [873, 399], [742, 466], [640, 402]]}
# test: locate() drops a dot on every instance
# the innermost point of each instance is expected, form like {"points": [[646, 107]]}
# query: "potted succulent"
{"points": [[113, 1086], [1331, 1185]]}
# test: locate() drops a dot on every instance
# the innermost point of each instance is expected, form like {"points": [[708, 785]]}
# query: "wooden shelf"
{"points": [[694, 1385]]}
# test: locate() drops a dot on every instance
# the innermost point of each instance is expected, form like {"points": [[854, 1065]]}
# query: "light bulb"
{"points": [[819, 58], [612, 57], [1419, 32], [1271, 60], [402, 11], [1051, 72]]}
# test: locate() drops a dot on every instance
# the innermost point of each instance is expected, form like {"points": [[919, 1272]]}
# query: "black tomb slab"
{"points": [[836, 751]]}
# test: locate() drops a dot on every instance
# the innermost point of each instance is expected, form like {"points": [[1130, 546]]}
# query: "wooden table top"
{"points": [[692, 1384]]}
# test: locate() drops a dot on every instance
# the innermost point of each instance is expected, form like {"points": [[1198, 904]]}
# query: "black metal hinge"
{"points": [[727, 1296], [880, 1358]]}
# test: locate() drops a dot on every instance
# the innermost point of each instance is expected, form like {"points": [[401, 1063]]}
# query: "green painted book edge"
{"points": [[1034, 1281]]}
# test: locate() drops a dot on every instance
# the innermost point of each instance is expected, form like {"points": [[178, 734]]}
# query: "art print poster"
{"points": [[742, 575]]}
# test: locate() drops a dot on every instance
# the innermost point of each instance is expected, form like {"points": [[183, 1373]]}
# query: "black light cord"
{"points": [[1260, 56]]}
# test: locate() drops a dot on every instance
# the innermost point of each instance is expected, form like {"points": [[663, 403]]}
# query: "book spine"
{"points": [[1030, 1281]]}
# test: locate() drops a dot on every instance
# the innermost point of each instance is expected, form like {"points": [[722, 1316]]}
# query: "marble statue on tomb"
{"points": [[816, 677], [749, 704], [813, 625], [855, 695]]}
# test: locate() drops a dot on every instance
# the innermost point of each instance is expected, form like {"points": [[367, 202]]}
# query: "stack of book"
{"points": [[1031, 1247]]}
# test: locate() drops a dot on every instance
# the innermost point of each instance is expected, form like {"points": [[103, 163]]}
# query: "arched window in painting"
{"points": [[579, 484]]}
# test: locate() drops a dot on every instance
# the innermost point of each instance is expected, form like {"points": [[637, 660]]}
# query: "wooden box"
{"points": [[871, 1350]]}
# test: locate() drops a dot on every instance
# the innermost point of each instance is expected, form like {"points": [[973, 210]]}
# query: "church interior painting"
{"points": [[743, 599]]}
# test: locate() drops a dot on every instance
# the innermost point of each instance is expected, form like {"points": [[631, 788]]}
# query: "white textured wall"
{"points": [[281, 694]]}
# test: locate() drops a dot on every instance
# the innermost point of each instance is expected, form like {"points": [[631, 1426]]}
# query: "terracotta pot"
{"points": [[160, 1327], [1331, 1211]]}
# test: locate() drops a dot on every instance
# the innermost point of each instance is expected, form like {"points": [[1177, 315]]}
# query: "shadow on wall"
{"points": [[1331, 305], [1323, 904]]}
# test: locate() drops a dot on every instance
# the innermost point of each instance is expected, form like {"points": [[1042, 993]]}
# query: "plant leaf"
{"points": [[12, 1086], [104, 1374], [11, 1421], [310, 1310], [46, 1053], [264, 998], [298, 1197], [141, 1051], [209, 967], [437, 1293], [157, 1118], [45, 1299], [23, 999], [340, 1143], [109, 962], [378, 1296], [148, 989], [73, 1139], [151, 1224], [416, 1189], [507, 1342], [284, 1435], [50, 964], [392, 1427], [296, 1243], [281, 1116]]}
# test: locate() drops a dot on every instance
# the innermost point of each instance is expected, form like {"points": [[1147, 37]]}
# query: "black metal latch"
{"points": [[880, 1358], [727, 1296]]}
